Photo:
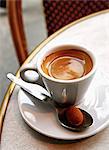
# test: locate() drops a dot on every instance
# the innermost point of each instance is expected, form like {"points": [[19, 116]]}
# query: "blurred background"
{"points": [[35, 32]]}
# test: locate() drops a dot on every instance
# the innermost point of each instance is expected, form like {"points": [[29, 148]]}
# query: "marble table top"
{"points": [[17, 135]]}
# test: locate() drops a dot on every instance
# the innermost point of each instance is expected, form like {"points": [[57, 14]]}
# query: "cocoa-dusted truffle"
{"points": [[74, 116]]}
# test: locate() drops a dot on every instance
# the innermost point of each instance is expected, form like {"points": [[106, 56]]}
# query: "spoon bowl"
{"points": [[87, 121]]}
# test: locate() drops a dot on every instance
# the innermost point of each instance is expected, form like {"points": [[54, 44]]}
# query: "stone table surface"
{"points": [[17, 135]]}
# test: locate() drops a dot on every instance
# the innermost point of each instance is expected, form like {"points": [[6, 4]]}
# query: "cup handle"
{"points": [[29, 74]]}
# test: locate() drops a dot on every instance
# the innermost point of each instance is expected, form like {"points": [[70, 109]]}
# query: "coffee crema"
{"points": [[67, 64]]}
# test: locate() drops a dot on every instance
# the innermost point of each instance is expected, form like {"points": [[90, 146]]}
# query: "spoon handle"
{"points": [[17, 81], [34, 89]]}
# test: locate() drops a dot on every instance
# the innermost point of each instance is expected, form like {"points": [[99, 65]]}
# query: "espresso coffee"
{"points": [[67, 64]]}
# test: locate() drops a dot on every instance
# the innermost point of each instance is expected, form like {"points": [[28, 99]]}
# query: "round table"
{"points": [[91, 32]]}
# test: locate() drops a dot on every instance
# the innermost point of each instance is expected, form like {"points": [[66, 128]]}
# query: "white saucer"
{"points": [[93, 35], [42, 118]]}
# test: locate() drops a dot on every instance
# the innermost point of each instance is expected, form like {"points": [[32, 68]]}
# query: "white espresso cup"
{"points": [[66, 92]]}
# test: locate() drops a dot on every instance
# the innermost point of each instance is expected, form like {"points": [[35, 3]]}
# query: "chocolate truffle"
{"points": [[74, 116]]}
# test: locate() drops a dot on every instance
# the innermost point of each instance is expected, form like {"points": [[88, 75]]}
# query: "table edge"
{"points": [[11, 87]]}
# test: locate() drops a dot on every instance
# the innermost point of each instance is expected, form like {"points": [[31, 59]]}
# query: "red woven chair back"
{"points": [[59, 13]]}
